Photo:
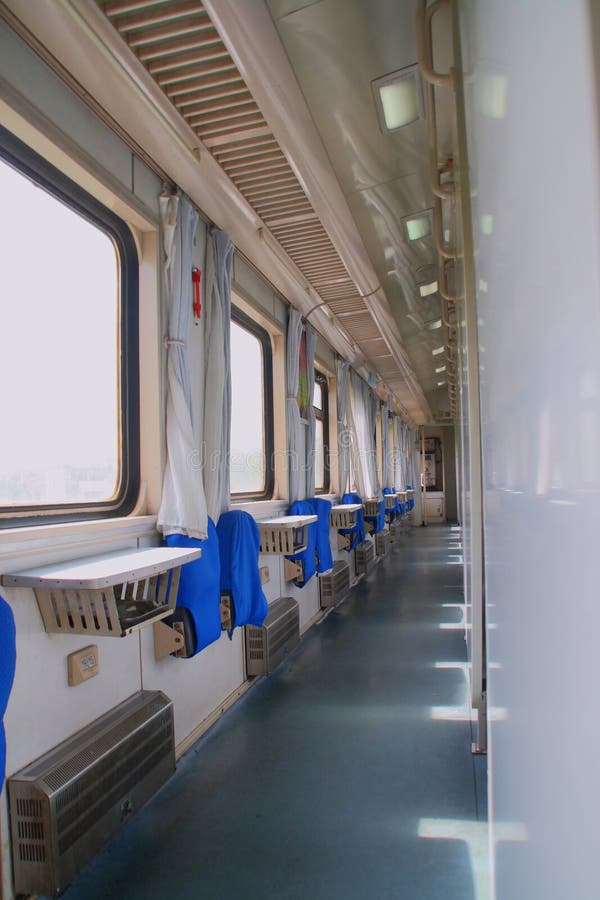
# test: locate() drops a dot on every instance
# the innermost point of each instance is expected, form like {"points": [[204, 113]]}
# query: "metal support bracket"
{"points": [[343, 541], [168, 640], [292, 571]]}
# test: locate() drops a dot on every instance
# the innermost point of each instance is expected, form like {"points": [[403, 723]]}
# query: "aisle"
{"points": [[348, 774]]}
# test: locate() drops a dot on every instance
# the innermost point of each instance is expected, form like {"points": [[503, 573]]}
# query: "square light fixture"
{"points": [[441, 383], [433, 324], [426, 290], [418, 225], [398, 98], [440, 369], [437, 351]]}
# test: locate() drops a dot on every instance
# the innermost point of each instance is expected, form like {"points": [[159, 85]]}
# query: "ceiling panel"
{"points": [[337, 48]]}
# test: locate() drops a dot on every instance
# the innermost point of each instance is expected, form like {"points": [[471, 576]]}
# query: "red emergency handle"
{"points": [[196, 305]]}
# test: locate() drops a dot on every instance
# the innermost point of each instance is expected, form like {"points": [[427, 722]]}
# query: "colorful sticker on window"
{"points": [[303, 393]]}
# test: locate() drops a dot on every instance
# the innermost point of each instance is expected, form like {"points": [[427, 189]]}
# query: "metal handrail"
{"points": [[441, 192], [446, 314], [445, 252], [425, 60], [424, 53]]}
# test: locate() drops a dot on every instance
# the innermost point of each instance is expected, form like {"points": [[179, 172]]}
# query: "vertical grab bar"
{"points": [[425, 55], [446, 255], [431, 78]]}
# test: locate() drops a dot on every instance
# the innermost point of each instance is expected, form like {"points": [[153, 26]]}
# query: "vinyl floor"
{"points": [[347, 774]]}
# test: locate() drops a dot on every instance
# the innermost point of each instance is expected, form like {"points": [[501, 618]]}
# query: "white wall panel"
{"points": [[195, 685], [43, 710], [535, 164]]}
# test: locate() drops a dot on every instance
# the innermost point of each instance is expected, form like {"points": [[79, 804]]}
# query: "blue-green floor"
{"points": [[347, 774]]}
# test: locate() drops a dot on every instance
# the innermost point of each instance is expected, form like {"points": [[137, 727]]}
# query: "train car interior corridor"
{"points": [[299, 480]]}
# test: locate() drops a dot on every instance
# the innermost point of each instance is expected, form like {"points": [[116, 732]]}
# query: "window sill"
{"points": [[261, 509], [45, 544]]}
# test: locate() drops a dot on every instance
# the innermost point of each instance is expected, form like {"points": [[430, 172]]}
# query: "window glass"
{"points": [[318, 396], [62, 405], [251, 409], [319, 457]]}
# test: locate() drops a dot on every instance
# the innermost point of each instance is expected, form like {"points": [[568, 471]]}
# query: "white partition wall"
{"points": [[534, 154]]}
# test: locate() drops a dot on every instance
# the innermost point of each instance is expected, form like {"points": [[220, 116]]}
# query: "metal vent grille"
{"points": [[183, 52], [395, 530], [364, 557], [267, 646], [334, 587], [381, 543], [67, 804]]}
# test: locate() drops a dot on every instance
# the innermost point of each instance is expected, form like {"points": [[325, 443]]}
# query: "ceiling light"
{"points": [[419, 225], [433, 325], [440, 369], [441, 383], [492, 96], [398, 98], [426, 289], [437, 351], [486, 224]]}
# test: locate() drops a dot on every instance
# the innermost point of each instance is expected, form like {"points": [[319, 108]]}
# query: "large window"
{"points": [[69, 361], [251, 409], [321, 408]]}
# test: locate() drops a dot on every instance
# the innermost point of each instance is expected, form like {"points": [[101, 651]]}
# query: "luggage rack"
{"points": [[284, 536], [112, 594]]}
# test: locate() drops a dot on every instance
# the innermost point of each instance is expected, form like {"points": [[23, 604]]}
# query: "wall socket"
{"points": [[82, 664]]}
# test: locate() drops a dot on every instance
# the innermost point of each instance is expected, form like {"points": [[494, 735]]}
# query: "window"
{"points": [[251, 409], [69, 364], [321, 408]]}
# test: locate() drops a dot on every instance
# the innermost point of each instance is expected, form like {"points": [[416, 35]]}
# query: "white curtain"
{"points": [[386, 450], [361, 421], [414, 459], [398, 477], [311, 347], [296, 481], [342, 431], [217, 373], [183, 506]]}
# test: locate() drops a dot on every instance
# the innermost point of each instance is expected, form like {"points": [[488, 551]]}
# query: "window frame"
{"points": [[43, 174], [246, 322], [323, 416]]}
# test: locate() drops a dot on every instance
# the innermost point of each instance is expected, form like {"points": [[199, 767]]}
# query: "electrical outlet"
{"points": [[82, 664]]}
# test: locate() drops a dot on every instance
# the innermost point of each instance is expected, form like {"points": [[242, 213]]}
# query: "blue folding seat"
{"points": [[199, 595], [239, 547], [8, 661]]}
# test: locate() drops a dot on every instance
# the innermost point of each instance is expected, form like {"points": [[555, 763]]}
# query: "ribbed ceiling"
{"points": [[183, 52]]}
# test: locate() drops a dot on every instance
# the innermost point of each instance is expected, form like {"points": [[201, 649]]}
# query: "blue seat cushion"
{"points": [[378, 520], [322, 509], [358, 531], [396, 510], [308, 556], [239, 546], [199, 589], [8, 661]]}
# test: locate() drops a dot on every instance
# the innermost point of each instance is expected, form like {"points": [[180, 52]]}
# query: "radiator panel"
{"points": [[334, 586], [381, 543], [67, 804], [364, 557], [267, 646]]}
